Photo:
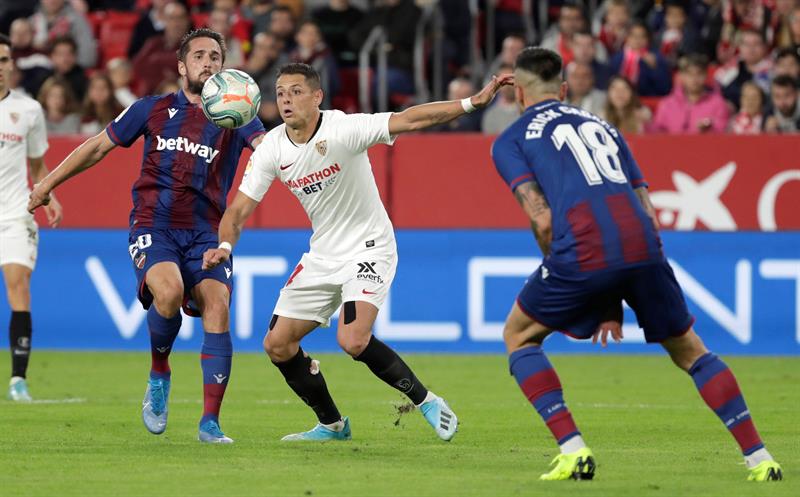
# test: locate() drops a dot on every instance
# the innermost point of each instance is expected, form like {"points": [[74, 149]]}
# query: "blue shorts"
{"points": [[576, 303], [184, 247]]}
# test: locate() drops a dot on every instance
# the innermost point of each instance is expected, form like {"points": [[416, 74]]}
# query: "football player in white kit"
{"points": [[321, 156], [23, 142]]}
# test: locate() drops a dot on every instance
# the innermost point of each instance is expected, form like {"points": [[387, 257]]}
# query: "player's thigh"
{"points": [[164, 282], [657, 300], [156, 261], [193, 245], [356, 319], [313, 291], [17, 280], [213, 299], [522, 330]]}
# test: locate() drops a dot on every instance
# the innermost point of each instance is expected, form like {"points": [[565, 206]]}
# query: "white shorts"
{"points": [[19, 241], [317, 287]]}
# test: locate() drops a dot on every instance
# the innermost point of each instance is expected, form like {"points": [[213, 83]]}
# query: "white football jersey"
{"points": [[22, 135], [332, 177]]}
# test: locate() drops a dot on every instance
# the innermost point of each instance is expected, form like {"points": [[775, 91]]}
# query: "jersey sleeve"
{"points": [[37, 135], [361, 131], [630, 167], [259, 173], [130, 124], [251, 131], [511, 163]]}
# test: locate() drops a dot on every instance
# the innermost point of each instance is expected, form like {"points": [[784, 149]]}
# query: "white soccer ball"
{"points": [[230, 98]]}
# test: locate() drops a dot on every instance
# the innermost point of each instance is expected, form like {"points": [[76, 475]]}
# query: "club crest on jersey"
{"points": [[322, 147], [182, 144], [15, 117]]}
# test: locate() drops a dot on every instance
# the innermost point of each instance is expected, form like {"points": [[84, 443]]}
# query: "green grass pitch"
{"points": [[647, 425]]}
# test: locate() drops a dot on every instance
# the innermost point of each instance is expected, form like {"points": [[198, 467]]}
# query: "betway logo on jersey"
{"points": [[316, 181], [182, 144]]}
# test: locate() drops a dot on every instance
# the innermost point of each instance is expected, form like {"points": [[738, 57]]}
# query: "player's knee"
{"points": [[278, 349], [19, 289], [216, 308], [168, 298], [353, 343]]}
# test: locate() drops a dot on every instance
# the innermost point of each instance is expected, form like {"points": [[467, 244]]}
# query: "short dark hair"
{"points": [[785, 81], [697, 60], [643, 25], [544, 63], [311, 74], [183, 48], [5, 40], [783, 52], [63, 40]]}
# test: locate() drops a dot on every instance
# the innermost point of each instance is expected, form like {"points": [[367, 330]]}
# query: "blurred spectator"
{"points": [[335, 20], [399, 20], [311, 50], [692, 107], [623, 108], [706, 18], [34, 66], [60, 107], [220, 21], [458, 89], [677, 37], [785, 115], [647, 70], [151, 23], [241, 27], [739, 15], [571, 19], [581, 91], [258, 13], [787, 61], [779, 33], [281, 24], [100, 106], [750, 118], [156, 61], [794, 30], [263, 65], [615, 28], [512, 46], [64, 62], [752, 63], [55, 19], [119, 70], [583, 51], [167, 87], [503, 111]]}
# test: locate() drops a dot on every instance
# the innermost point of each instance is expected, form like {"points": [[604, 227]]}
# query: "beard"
{"points": [[195, 86]]}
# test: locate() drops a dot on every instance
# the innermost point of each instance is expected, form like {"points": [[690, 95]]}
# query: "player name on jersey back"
{"points": [[540, 120]]}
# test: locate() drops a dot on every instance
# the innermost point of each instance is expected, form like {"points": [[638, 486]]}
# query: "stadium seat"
{"points": [[115, 34], [200, 19], [347, 98]]}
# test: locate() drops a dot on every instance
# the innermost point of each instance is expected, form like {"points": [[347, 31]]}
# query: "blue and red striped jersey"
{"points": [[587, 174], [188, 163]]}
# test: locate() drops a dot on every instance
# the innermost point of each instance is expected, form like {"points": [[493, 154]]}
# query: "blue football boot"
{"points": [[321, 433], [439, 415], [154, 405], [211, 433]]}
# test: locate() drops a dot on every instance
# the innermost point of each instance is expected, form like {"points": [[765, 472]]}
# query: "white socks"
{"points": [[337, 426], [757, 458], [574, 444]]}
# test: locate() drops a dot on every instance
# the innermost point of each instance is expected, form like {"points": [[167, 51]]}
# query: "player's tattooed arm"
{"points": [[230, 229], [430, 114], [533, 202], [644, 198]]}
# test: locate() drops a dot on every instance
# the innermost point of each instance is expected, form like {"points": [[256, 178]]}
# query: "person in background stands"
{"points": [[623, 108]]}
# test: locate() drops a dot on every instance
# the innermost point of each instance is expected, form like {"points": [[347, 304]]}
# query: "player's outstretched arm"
{"points": [[230, 229], [82, 158], [530, 197], [426, 115], [38, 172]]}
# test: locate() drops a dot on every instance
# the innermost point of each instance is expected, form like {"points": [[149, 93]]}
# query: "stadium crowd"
{"points": [[663, 66]]}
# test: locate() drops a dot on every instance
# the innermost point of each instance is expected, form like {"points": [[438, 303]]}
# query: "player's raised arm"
{"points": [[230, 229], [426, 115], [82, 158]]}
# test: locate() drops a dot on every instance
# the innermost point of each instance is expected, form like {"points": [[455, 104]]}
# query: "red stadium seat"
{"points": [[200, 19], [115, 34], [347, 98]]}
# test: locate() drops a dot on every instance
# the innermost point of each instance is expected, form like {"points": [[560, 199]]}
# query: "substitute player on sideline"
{"points": [[22, 136], [587, 200], [187, 170], [321, 156]]}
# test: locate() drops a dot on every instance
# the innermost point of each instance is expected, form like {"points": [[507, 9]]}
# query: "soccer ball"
{"points": [[230, 98]]}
